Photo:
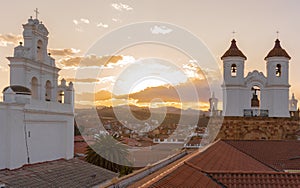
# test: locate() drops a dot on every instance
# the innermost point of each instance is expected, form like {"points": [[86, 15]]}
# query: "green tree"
{"points": [[108, 153]]}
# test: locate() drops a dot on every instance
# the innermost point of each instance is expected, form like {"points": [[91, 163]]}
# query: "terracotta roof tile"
{"points": [[278, 51], [280, 155], [233, 51], [224, 157], [186, 176], [258, 179]]}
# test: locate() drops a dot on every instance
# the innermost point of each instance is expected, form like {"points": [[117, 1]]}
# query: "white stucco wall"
{"points": [[49, 129]]}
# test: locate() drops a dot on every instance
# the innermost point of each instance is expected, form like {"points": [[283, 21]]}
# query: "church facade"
{"points": [[37, 114], [257, 94]]}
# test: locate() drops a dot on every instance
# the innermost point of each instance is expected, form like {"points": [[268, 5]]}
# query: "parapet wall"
{"points": [[256, 128]]}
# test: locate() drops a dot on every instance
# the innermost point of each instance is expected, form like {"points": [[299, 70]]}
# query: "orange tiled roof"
{"points": [[186, 176], [233, 51], [280, 155], [278, 51], [224, 157], [258, 179]]}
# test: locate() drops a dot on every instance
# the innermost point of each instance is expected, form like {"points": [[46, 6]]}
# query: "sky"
{"points": [[78, 29]]}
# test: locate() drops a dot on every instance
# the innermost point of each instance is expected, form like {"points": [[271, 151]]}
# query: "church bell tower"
{"points": [[278, 81], [233, 72]]}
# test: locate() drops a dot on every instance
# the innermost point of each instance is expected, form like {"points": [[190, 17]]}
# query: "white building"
{"points": [[256, 94], [213, 106], [37, 114]]}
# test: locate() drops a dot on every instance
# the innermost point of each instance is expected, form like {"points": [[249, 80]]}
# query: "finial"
{"points": [[49, 54], [277, 34], [36, 13], [233, 34], [20, 43], [30, 17]]}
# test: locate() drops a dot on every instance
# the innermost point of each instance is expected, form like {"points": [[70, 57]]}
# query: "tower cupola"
{"points": [[277, 51], [233, 51]]}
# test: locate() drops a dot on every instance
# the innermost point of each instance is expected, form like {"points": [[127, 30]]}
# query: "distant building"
{"points": [[213, 106], [256, 94], [37, 114]]}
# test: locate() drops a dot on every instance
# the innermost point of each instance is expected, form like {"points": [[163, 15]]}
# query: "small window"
{"points": [[48, 91], [233, 70], [40, 50], [61, 97], [278, 70]]}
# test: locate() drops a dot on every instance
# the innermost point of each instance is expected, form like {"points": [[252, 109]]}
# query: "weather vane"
{"points": [[36, 13]]}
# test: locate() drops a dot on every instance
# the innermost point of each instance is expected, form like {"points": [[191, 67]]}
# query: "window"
{"points": [[40, 50], [48, 91], [34, 87], [233, 70], [61, 97], [278, 70]]}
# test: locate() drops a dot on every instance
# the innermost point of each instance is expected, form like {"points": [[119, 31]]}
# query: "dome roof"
{"points": [[233, 51], [277, 51], [21, 90]]}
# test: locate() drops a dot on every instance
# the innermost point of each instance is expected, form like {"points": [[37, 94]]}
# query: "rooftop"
{"points": [[59, 173], [278, 51], [278, 154], [233, 51], [235, 164]]}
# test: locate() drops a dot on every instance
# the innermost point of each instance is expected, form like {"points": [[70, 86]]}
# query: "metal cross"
{"points": [[36, 13], [233, 33]]}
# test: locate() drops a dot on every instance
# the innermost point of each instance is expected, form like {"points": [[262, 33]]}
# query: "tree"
{"points": [[108, 153]]}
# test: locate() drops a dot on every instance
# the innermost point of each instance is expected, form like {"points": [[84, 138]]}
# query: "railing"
{"points": [[256, 113]]}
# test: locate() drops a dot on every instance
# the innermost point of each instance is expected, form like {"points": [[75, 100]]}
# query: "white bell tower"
{"points": [[233, 72], [278, 81], [31, 66]]}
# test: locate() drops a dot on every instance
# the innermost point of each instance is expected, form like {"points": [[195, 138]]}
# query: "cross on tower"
{"points": [[233, 33], [36, 13]]}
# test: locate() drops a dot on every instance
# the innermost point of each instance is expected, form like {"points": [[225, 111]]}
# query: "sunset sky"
{"points": [[77, 29]]}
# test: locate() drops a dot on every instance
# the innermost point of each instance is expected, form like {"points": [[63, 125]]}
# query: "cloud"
{"points": [[191, 91], [75, 22], [160, 30], [170, 95], [102, 25], [192, 70], [91, 60], [116, 20], [64, 52], [86, 21], [121, 7], [79, 24], [100, 95], [10, 39], [88, 80]]}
